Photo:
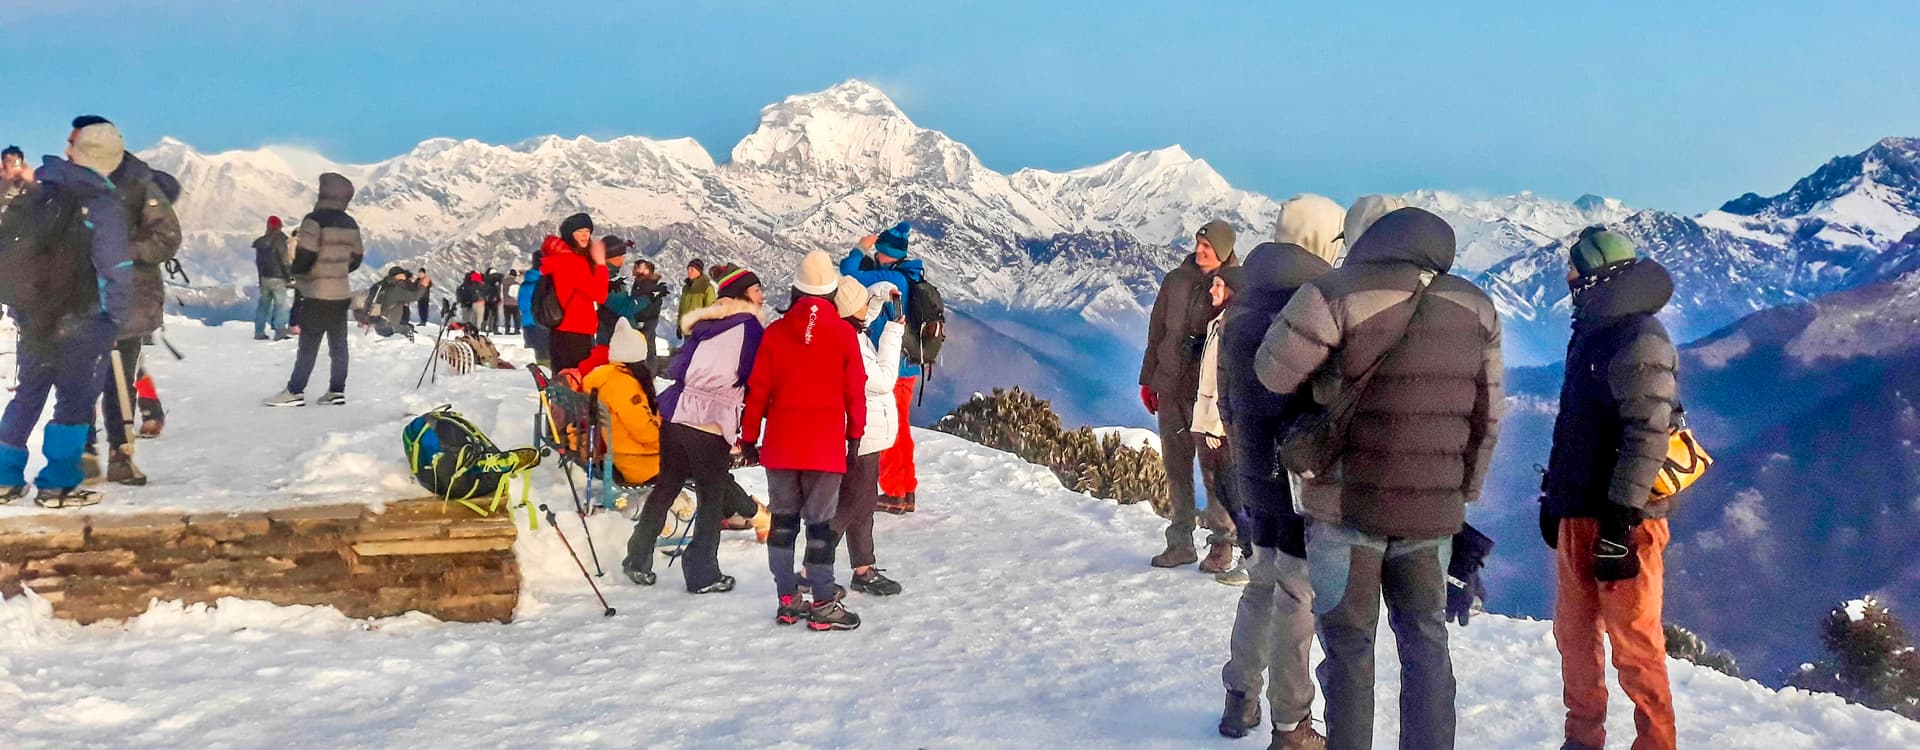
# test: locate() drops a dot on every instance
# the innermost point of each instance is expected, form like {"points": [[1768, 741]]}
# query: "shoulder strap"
{"points": [[1361, 383]]}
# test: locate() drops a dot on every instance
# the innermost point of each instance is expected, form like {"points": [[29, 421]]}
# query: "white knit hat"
{"points": [[99, 147], [627, 344], [850, 299], [817, 274]]}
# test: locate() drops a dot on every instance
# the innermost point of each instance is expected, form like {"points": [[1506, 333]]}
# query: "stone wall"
{"points": [[419, 555]]}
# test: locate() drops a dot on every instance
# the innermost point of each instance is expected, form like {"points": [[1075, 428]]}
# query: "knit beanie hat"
{"points": [[1366, 210], [1219, 234], [616, 247], [273, 222], [627, 345], [850, 299], [1311, 222], [893, 242], [817, 275], [697, 265], [1598, 248], [573, 224], [733, 283], [99, 147]]}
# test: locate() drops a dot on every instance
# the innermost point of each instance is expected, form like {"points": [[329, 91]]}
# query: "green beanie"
{"points": [[1598, 248], [1219, 234]]}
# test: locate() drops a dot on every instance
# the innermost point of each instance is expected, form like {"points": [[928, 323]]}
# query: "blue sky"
{"points": [[1674, 104]]}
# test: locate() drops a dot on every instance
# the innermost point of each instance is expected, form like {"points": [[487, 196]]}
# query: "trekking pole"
{"points": [[131, 433], [555, 523], [433, 358], [593, 420]]}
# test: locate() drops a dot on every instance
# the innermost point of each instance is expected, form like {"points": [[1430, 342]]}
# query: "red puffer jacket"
{"points": [[809, 384], [582, 286]]}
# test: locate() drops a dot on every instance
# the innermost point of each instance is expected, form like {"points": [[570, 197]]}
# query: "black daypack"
{"points": [[926, 323], [44, 247], [547, 310]]}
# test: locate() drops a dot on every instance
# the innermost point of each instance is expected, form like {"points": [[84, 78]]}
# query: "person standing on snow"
{"points": [[68, 324], [651, 296], [270, 261], [490, 302], [510, 303], [808, 385], [872, 313], [471, 298], [1620, 396], [1223, 508], [696, 291], [1382, 517], [883, 258], [700, 416], [425, 303], [531, 332], [1272, 639], [328, 252], [1169, 387], [578, 266]]}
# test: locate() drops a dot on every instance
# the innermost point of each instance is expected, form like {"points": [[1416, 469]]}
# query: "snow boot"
{"points": [[892, 504], [792, 609], [875, 584], [10, 494], [287, 398], [831, 616], [333, 398], [1219, 558], [151, 428], [1236, 575], [72, 497], [1302, 737], [1240, 716], [636, 574], [724, 585], [1175, 556], [121, 469]]}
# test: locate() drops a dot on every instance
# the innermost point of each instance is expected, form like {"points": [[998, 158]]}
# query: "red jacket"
{"points": [[581, 285], [809, 384]]}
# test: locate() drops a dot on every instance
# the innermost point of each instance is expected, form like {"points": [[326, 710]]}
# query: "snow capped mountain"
{"points": [[1494, 229], [1157, 196], [1867, 200]]}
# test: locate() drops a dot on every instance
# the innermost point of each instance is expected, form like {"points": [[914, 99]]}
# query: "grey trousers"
{"points": [[1179, 448], [802, 499], [1274, 632], [1351, 572]]}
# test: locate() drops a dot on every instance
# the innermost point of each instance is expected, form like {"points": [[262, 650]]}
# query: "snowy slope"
{"points": [[1100, 651]]}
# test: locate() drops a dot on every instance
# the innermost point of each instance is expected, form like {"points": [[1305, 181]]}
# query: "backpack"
{"points": [[44, 239], [547, 310], [485, 354], [455, 461], [926, 323]]}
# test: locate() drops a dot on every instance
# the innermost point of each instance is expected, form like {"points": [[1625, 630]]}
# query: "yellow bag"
{"points": [[1686, 461]]}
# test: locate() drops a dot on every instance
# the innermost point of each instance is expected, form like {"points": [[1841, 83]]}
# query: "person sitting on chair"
{"points": [[630, 407]]}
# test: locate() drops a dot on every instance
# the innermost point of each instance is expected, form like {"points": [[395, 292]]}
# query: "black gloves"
{"points": [[853, 450], [1470, 551], [1549, 526], [749, 454], [1613, 554]]}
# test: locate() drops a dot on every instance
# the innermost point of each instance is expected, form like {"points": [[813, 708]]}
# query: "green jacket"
{"points": [[696, 294]]}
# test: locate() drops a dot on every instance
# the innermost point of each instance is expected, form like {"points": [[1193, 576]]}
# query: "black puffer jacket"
{"points": [[1618, 398], [1255, 416], [1177, 328], [1421, 439]]}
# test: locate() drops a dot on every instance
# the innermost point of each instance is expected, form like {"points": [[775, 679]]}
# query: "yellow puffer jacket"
{"points": [[633, 429]]}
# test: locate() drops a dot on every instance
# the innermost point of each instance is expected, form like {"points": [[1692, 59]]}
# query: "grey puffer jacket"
{"points": [[1422, 437], [1618, 399], [329, 249]]}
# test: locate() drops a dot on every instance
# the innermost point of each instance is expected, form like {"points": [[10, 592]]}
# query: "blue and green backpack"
{"points": [[454, 460]]}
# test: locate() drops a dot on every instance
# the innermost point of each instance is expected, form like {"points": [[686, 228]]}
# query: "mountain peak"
{"points": [[852, 132], [852, 96]]}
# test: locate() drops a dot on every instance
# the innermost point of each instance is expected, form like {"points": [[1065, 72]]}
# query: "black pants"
{"points": [[128, 351], [568, 350], [859, 496], [321, 317], [491, 320], [511, 319], [426, 306], [646, 329], [686, 453]]}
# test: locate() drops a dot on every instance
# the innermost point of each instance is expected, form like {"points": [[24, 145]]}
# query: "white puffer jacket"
{"points": [[883, 369]]}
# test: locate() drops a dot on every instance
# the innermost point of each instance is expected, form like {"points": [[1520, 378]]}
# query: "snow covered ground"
{"points": [[1030, 620]]}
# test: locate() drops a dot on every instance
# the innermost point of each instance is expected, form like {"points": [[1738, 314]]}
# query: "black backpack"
{"points": [[44, 247], [926, 323], [547, 310]]}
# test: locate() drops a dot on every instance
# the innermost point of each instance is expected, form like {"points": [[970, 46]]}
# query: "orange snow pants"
{"points": [[1627, 613], [896, 464]]}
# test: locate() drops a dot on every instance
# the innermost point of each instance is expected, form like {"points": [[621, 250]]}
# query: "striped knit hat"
{"points": [[734, 282]]}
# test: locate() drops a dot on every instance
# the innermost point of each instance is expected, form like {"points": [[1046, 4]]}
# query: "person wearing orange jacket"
{"points": [[578, 265], [625, 389], [809, 387]]}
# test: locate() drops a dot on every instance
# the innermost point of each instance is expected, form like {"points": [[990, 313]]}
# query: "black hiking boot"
{"points": [[724, 585], [72, 497], [121, 470], [875, 584], [1240, 716], [832, 616], [792, 609], [636, 575]]}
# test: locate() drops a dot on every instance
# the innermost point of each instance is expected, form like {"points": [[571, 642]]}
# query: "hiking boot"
{"points": [[1240, 716], [1302, 737], [892, 504], [1175, 557], [72, 497], [259, 337], [287, 398], [1236, 575], [1219, 558], [10, 494], [636, 575], [909, 502], [724, 585], [792, 609], [121, 469], [151, 428], [839, 591], [871, 582], [831, 616], [333, 398]]}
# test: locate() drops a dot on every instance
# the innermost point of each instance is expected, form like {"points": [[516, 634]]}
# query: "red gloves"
{"points": [[1149, 399]]}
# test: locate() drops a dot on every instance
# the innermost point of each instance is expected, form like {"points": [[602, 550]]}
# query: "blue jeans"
{"points": [[272, 309], [69, 368]]}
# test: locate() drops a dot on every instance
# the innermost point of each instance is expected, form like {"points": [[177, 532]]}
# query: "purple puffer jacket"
{"points": [[710, 372]]}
